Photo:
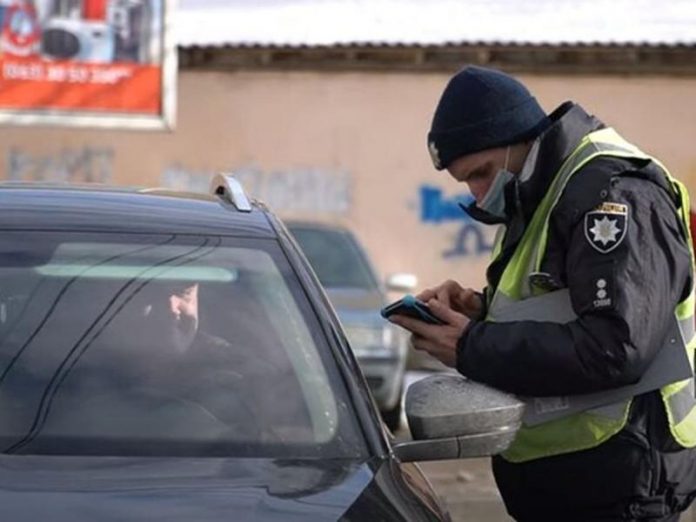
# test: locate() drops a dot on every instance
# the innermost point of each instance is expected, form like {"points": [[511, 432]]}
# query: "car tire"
{"points": [[392, 417]]}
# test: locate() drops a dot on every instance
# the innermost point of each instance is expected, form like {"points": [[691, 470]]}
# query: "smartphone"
{"points": [[411, 307]]}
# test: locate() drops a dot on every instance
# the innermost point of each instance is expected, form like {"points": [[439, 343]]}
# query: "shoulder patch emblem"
{"points": [[605, 226]]}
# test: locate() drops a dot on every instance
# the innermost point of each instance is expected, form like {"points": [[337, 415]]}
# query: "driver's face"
{"points": [[169, 313]]}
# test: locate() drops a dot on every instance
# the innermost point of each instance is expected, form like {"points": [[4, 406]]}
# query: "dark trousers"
{"points": [[640, 474]]}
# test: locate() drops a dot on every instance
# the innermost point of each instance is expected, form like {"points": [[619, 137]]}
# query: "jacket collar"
{"points": [[570, 123]]}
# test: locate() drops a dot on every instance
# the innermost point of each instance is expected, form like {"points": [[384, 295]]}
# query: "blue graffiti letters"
{"points": [[470, 235], [472, 239], [435, 208]]}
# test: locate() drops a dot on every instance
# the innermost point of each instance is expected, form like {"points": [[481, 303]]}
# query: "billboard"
{"points": [[105, 63]]}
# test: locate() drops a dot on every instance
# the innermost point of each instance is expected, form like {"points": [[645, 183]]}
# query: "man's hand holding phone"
{"points": [[463, 300], [435, 327], [413, 307]]}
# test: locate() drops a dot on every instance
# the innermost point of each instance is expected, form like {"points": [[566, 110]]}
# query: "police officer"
{"points": [[591, 273]]}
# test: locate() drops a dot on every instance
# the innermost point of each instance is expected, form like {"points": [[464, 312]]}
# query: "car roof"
{"points": [[129, 210], [316, 225]]}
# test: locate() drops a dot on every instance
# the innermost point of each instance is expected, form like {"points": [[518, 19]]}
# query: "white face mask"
{"points": [[493, 202]]}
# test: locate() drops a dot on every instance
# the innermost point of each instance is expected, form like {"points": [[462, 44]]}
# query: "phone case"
{"points": [[410, 307]]}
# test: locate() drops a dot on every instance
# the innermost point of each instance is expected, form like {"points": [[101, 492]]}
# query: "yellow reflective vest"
{"points": [[517, 298]]}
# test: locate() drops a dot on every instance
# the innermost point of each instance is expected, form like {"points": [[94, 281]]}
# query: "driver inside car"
{"points": [[157, 330], [151, 368]]}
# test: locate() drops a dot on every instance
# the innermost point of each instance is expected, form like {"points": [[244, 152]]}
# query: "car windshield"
{"points": [[114, 344], [335, 257]]}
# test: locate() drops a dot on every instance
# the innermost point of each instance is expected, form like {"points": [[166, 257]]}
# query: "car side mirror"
{"points": [[401, 282], [452, 417]]}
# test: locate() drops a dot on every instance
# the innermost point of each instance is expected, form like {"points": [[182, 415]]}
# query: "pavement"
{"points": [[467, 486]]}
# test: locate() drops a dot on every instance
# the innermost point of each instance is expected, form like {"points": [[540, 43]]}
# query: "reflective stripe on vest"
{"points": [[516, 298]]}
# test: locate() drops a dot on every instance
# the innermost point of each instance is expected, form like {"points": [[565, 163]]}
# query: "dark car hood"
{"points": [[203, 490]]}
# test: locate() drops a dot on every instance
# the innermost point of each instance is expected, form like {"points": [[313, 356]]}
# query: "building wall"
{"points": [[346, 147]]}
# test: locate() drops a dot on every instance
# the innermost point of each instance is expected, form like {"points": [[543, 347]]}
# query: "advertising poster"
{"points": [[104, 63]]}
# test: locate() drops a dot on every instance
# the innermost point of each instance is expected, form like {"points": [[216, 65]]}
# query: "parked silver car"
{"points": [[357, 294]]}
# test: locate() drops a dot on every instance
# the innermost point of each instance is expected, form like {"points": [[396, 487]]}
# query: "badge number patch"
{"points": [[605, 227]]}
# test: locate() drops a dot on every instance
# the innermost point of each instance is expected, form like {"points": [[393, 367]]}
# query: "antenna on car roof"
{"points": [[229, 188]]}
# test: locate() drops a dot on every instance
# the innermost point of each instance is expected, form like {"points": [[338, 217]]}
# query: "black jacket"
{"points": [[643, 278], [644, 472]]}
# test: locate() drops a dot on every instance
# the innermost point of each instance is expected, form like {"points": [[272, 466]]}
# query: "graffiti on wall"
{"points": [[472, 238], [316, 190], [88, 164]]}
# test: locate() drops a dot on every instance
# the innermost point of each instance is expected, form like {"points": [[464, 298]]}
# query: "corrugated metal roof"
{"points": [[434, 22]]}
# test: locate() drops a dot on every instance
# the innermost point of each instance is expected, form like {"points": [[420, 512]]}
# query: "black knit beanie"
{"points": [[482, 109]]}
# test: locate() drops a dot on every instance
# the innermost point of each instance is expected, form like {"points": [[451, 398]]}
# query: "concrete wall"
{"points": [[346, 147]]}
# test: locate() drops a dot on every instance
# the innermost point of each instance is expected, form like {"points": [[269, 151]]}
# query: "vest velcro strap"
{"points": [[687, 329], [613, 411], [682, 402], [553, 307], [602, 147]]}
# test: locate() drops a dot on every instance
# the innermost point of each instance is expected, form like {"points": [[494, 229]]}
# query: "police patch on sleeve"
{"points": [[605, 226]]}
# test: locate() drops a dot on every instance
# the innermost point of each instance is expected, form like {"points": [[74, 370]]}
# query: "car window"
{"points": [[335, 257], [116, 344]]}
